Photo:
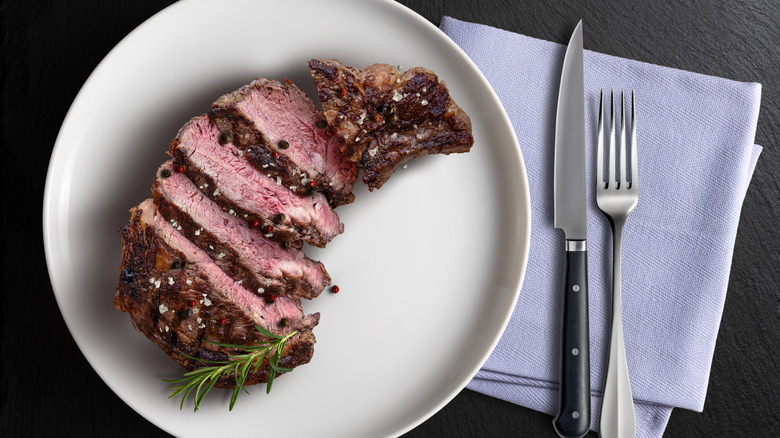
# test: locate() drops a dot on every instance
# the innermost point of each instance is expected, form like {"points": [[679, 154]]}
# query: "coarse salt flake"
{"points": [[372, 152], [424, 102], [216, 192], [162, 308], [220, 255], [361, 118], [397, 96], [170, 280], [157, 284], [189, 282], [206, 301]]}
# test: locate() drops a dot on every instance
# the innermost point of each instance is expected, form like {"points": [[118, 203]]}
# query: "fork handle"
{"points": [[573, 419], [618, 419]]}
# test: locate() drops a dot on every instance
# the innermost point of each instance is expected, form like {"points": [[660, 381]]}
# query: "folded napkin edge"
{"points": [[756, 87]]}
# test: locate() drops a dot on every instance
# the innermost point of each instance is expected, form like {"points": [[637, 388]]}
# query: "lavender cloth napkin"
{"points": [[696, 159]]}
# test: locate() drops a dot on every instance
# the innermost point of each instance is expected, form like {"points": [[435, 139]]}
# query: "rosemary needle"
{"points": [[238, 365]]}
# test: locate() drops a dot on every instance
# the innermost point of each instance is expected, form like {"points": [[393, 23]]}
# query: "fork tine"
{"points": [[634, 159], [611, 161], [622, 169], [600, 144]]}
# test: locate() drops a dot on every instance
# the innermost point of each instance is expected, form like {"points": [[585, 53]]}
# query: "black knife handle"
{"points": [[573, 419]]}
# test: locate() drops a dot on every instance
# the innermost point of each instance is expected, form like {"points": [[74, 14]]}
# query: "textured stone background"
{"points": [[49, 49]]}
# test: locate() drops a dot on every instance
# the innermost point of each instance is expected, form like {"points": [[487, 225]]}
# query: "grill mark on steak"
{"points": [[242, 252], [384, 118], [235, 184], [265, 112], [162, 311]]}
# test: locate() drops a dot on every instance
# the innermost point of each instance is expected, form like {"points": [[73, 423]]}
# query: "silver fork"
{"points": [[617, 198]]}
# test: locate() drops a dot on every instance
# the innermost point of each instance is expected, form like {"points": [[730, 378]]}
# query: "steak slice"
{"points": [[223, 173], [267, 117], [243, 252], [178, 297], [384, 118]]}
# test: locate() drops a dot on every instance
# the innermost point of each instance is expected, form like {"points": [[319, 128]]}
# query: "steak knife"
{"points": [[573, 419]]}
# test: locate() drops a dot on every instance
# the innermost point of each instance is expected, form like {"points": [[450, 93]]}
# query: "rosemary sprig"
{"points": [[239, 365]]}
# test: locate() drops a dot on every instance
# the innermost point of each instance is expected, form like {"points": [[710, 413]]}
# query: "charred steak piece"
{"points": [[383, 118], [242, 251], [223, 173], [277, 125], [177, 297]]}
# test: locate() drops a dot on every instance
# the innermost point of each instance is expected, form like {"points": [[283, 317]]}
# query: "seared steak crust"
{"points": [[383, 118], [223, 173], [282, 133], [158, 290], [243, 252]]}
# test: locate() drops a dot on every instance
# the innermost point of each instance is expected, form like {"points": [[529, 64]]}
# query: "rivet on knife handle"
{"points": [[573, 419]]}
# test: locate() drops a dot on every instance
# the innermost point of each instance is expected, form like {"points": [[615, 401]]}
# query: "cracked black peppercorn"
{"points": [[283, 144], [176, 265], [165, 173], [310, 191], [186, 313], [279, 218], [284, 322], [225, 137], [285, 244], [322, 124]]}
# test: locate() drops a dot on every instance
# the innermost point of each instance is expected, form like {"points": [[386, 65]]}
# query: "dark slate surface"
{"points": [[49, 48]]}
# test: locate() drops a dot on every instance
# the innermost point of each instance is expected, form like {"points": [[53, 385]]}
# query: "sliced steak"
{"points": [[279, 127], [383, 118], [223, 173], [242, 251], [178, 297]]}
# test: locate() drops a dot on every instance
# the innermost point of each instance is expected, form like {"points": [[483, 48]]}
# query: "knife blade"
{"points": [[573, 418]]}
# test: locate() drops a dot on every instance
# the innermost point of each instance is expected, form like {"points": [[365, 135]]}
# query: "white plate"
{"points": [[429, 266]]}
